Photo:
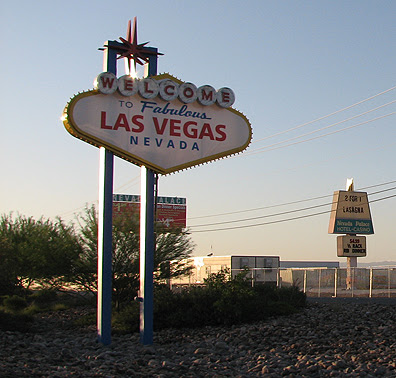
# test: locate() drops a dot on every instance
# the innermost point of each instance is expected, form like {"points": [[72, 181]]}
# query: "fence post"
{"points": [[353, 280], [335, 281], [305, 281], [319, 279], [278, 278], [389, 283]]}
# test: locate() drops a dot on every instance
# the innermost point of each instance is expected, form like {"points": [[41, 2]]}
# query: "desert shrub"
{"points": [[43, 299], [59, 307], [292, 295], [127, 319], [172, 248], [189, 308], [42, 251], [86, 320], [14, 303], [222, 301]]}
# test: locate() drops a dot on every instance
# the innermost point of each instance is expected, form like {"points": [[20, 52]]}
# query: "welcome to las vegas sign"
{"points": [[160, 122]]}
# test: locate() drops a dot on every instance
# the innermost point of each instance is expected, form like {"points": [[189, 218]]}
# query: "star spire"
{"points": [[132, 50]]}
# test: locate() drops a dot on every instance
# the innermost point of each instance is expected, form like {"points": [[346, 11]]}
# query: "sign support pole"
{"points": [[105, 224], [147, 242], [147, 238], [351, 261]]}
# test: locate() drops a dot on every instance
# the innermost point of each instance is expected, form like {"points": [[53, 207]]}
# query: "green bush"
{"points": [[292, 295], [189, 308], [44, 299], [60, 307], [172, 248], [220, 302], [14, 303], [86, 320], [126, 320], [43, 251]]}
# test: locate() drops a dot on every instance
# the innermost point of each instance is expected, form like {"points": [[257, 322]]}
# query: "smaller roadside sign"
{"points": [[351, 246], [350, 213]]}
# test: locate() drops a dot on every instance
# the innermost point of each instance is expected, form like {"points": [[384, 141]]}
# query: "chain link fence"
{"points": [[321, 282], [342, 282]]}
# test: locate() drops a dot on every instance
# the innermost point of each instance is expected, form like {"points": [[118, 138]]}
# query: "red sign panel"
{"points": [[172, 215], [171, 212]]}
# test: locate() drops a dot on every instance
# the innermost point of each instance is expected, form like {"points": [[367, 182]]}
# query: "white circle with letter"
{"points": [[127, 85], [148, 88], [106, 83]]}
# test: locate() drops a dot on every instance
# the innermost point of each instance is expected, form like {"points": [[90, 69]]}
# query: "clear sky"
{"points": [[288, 62]]}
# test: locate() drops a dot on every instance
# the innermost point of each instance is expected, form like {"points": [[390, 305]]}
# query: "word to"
{"points": [[168, 90]]}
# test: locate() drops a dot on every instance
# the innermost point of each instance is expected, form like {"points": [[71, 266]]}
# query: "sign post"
{"points": [[105, 224], [350, 215], [352, 260], [161, 124], [147, 239]]}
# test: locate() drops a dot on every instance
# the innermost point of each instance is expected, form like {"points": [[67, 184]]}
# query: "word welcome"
{"points": [[168, 90]]}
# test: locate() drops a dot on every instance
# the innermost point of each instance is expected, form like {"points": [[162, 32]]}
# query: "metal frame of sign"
{"points": [[147, 242]]}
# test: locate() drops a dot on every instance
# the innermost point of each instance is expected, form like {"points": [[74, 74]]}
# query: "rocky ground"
{"points": [[332, 339]]}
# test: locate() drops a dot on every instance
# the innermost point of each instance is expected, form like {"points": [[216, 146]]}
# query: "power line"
{"points": [[285, 203], [78, 209], [325, 127], [262, 224], [283, 220], [281, 213], [326, 116], [259, 208], [262, 216], [130, 182], [346, 155], [266, 149]]}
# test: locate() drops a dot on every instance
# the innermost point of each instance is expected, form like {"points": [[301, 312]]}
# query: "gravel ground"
{"points": [[326, 339]]}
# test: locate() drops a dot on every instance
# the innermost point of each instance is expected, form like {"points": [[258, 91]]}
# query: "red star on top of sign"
{"points": [[132, 50]]}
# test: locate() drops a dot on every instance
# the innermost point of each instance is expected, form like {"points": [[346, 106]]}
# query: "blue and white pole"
{"points": [[147, 219], [147, 238], [105, 223]]}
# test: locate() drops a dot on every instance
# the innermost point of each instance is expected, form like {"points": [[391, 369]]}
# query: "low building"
{"points": [[262, 269], [309, 264]]}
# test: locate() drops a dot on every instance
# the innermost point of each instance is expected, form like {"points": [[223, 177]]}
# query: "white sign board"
{"points": [[351, 246], [166, 136], [350, 213]]}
